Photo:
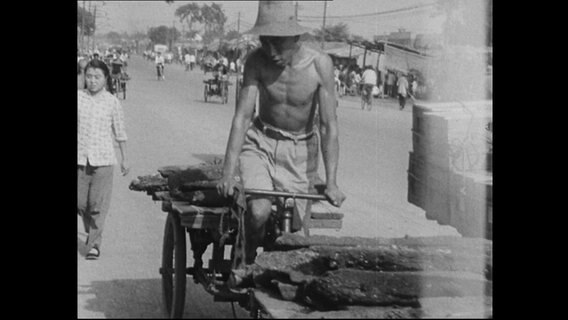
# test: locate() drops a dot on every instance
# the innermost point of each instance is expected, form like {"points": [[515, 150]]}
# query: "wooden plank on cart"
{"points": [[324, 216], [196, 217], [161, 196], [439, 307]]}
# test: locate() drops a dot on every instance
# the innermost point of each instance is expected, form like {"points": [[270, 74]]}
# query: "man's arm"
{"points": [[239, 127], [328, 128]]}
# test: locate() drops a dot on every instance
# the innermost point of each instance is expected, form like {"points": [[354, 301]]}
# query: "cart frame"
{"points": [[201, 222]]}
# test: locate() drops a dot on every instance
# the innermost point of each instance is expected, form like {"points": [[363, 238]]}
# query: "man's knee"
{"points": [[259, 211]]}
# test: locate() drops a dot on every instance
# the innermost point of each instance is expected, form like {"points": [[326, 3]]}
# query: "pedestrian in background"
{"points": [[391, 80], [186, 60], [369, 80], [99, 118], [81, 74], [402, 85], [414, 86], [191, 61]]}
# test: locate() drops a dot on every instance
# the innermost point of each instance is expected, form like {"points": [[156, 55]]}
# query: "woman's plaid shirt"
{"points": [[98, 119]]}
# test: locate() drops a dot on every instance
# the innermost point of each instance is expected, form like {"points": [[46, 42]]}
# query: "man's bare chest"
{"points": [[293, 86]]}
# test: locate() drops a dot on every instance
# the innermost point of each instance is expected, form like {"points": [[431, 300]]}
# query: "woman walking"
{"points": [[99, 118]]}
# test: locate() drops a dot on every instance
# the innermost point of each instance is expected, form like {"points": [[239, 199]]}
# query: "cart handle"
{"points": [[308, 196], [201, 185]]}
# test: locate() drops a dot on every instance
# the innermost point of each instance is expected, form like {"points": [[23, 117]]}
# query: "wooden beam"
{"points": [[442, 307]]}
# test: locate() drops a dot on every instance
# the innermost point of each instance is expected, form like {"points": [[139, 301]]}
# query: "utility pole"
{"points": [[239, 23], [172, 34], [296, 10], [323, 27], [83, 12], [89, 35], [94, 25]]}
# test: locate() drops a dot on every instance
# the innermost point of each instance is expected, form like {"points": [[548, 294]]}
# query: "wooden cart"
{"points": [[203, 224]]}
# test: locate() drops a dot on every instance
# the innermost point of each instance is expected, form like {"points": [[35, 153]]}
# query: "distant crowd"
{"points": [[352, 80]]}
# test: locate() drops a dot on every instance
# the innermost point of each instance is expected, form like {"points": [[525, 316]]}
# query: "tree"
{"points": [[191, 34], [89, 22], [114, 37], [233, 34], [214, 20], [190, 13], [163, 35]]}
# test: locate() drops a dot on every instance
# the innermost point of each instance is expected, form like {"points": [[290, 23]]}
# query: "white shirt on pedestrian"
{"points": [[369, 77], [402, 84]]}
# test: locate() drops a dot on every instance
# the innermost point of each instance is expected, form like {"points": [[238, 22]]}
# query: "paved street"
{"points": [[168, 123]]}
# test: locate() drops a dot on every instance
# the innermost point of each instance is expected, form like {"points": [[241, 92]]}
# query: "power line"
{"points": [[367, 18], [372, 14]]}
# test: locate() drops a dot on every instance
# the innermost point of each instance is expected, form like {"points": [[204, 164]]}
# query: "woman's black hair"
{"points": [[99, 64]]}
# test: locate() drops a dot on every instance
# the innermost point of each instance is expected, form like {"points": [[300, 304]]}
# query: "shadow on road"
{"points": [[142, 298], [137, 298]]}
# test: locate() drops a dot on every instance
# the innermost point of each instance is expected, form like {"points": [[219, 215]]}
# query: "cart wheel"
{"points": [[205, 91], [173, 267]]}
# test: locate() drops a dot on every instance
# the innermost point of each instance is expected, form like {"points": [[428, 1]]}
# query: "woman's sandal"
{"points": [[93, 254]]}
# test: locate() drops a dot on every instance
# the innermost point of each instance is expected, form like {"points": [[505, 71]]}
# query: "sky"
{"points": [[139, 16]]}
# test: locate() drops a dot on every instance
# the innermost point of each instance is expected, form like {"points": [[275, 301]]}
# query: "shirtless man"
{"points": [[280, 149]]}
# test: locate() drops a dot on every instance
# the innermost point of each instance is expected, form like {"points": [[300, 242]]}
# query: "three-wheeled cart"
{"points": [[216, 87]]}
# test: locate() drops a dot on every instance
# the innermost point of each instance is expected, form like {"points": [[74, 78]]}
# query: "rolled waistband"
{"points": [[279, 134]]}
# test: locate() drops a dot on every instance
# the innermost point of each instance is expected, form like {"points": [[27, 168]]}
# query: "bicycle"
{"points": [[119, 85], [160, 71]]}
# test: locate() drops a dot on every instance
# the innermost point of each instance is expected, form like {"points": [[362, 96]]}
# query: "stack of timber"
{"points": [[406, 277], [450, 170], [190, 190]]}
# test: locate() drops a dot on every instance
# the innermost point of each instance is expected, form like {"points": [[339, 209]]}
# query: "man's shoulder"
{"points": [[317, 55], [320, 59]]}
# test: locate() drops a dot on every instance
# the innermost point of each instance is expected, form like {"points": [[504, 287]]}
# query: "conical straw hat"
{"points": [[277, 18]]}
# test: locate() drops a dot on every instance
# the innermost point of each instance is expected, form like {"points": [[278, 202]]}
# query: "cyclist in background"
{"points": [[159, 61]]}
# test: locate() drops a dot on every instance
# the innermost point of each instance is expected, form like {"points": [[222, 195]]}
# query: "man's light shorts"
{"points": [[279, 164]]}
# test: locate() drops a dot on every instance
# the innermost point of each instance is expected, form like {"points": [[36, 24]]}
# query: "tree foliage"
{"points": [[233, 34], [89, 22], [163, 35], [211, 18], [114, 37], [190, 13]]}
